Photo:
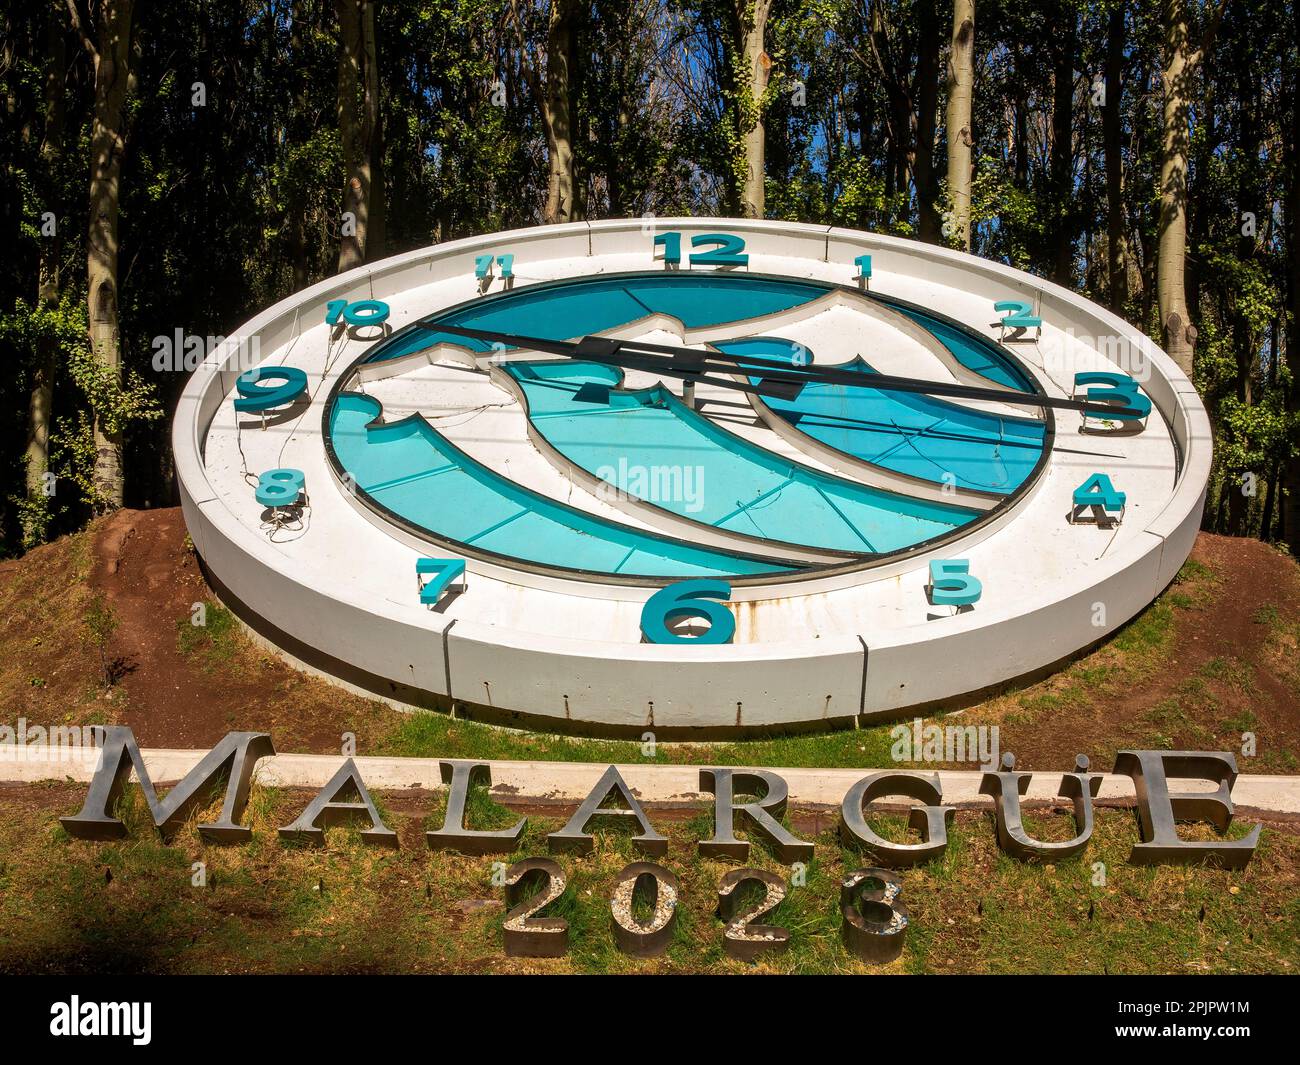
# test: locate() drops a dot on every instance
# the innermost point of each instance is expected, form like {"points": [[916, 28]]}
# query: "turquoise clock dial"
{"points": [[768, 511]]}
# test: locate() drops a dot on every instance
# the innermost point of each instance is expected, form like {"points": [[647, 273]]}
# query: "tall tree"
{"points": [[748, 27], [40, 406], [550, 81], [927, 105], [1181, 59], [1061, 166], [361, 134], [961, 141], [557, 112], [1291, 158], [111, 59], [1118, 257]]}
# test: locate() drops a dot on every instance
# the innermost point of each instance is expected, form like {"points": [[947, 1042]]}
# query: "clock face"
{"points": [[709, 474]]}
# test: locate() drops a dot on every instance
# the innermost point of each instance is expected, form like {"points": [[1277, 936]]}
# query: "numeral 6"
{"points": [[689, 599]]}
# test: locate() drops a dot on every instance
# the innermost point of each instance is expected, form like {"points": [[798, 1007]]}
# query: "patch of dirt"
{"points": [[150, 576], [49, 674], [1219, 677]]}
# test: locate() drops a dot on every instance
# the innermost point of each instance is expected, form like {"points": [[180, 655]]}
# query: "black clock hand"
{"points": [[776, 377], [597, 350]]}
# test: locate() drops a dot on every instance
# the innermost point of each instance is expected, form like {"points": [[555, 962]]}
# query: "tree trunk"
{"points": [[1270, 505], [112, 74], [1062, 155], [361, 229], [1020, 135], [1118, 256], [373, 129], [41, 400], [1291, 497], [750, 28], [1250, 193], [1181, 60], [927, 106], [296, 200], [961, 86], [557, 112]]}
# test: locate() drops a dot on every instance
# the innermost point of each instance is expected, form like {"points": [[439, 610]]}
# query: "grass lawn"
{"points": [[271, 906]]}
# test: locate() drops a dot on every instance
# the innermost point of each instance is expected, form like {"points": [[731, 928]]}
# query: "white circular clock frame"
{"points": [[557, 650]]}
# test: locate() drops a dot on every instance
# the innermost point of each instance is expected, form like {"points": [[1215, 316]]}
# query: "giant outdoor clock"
{"points": [[688, 473]]}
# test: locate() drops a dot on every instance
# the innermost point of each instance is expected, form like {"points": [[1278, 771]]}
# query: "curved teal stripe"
{"points": [[910, 434], [975, 353], [414, 472], [650, 446], [593, 305]]}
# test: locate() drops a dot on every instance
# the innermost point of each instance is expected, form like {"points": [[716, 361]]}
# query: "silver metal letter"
{"points": [[1159, 809], [460, 775], [763, 815], [235, 757], [326, 811], [930, 820], [574, 838], [1006, 786]]}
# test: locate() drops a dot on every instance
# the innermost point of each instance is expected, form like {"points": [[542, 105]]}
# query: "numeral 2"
{"points": [[526, 935], [741, 937]]}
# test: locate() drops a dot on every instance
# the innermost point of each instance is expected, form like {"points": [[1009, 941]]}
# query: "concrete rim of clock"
{"points": [[333, 620]]}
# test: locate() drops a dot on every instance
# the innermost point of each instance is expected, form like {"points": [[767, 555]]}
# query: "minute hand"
{"points": [[682, 361]]}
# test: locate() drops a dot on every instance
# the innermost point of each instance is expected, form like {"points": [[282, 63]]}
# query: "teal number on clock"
{"points": [[951, 583], [1104, 386], [280, 488], [729, 250], [435, 575], [483, 265], [1017, 314], [362, 312], [672, 246], [263, 388], [689, 599], [726, 249], [1098, 490]]}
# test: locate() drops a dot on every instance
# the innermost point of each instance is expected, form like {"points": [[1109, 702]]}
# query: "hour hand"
{"points": [[684, 363]]}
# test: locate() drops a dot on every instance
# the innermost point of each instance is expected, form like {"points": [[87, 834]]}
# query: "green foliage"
{"points": [[115, 403], [229, 207], [30, 327]]}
